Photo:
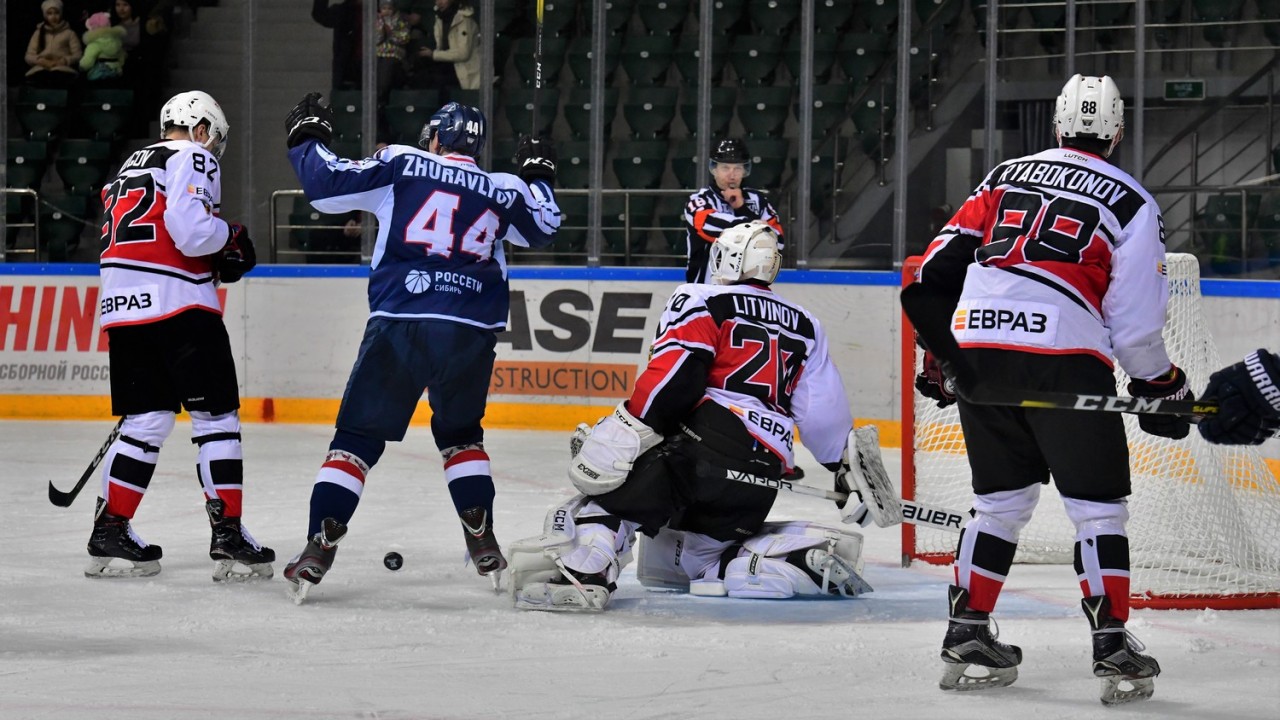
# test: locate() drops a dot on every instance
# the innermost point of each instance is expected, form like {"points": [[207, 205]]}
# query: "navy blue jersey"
{"points": [[440, 222]]}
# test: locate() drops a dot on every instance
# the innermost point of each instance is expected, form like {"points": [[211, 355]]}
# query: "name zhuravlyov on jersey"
{"points": [[162, 234], [1073, 261], [448, 264], [768, 362]]}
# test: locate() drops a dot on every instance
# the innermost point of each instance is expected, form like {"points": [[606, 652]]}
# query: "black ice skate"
{"points": [[971, 643], [113, 538], [482, 544], [1127, 675], [232, 544], [309, 566]]}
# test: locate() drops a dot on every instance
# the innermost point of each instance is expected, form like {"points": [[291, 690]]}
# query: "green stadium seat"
{"points": [[768, 161], [28, 160], [722, 101], [572, 235], [407, 111], [647, 57], [944, 12], [103, 112], [83, 165], [62, 221], [773, 16], [617, 13], [755, 57], [830, 107], [1166, 12], [724, 14], [559, 17], [19, 216], [684, 164], [1269, 18], [831, 16], [763, 110], [505, 14], [466, 97], [873, 123], [650, 110], [579, 59], [1216, 12], [861, 55], [618, 213], [577, 110], [41, 111], [688, 56], [349, 148], [519, 108], [573, 166], [824, 56], [1219, 230], [315, 232], [670, 216], [640, 163], [553, 54], [503, 156], [1266, 233], [823, 166], [881, 16], [347, 108], [662, 17]]}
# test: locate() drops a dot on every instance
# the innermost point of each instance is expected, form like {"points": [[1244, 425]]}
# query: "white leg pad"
{"points": [[659, 561], [762, 570], [569, 542]]}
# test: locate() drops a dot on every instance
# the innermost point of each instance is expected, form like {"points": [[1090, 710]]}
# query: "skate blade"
{"points": [[496, 578], [956, 677], [102, 568], [226, 571], [1119, 690], [561, 598], [297, 590]]}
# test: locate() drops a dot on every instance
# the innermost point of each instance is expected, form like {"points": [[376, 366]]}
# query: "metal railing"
{"points": [[1258, 244], [5, 251]]}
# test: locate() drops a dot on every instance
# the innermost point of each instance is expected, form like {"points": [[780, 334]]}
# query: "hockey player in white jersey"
{"points": [[734, 370], [1051, 272], [164, 250]]}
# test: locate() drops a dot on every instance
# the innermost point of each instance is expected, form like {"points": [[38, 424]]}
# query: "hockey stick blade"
{"points": [[912, 512], [930, 315], [64, 499]]}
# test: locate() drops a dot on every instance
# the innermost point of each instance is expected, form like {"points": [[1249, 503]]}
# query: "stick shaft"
{"points": [[537, 67], [64, 499]]}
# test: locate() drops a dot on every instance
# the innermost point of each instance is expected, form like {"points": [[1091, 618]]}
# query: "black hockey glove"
{"points": [[309, 119], [933, 384], [237, 256], [536, 159], [1248, 397], [1169, 386]]}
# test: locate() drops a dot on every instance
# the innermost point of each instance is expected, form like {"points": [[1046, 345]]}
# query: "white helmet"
{"points": [[1090, 107], [189, 109], [745, 252]]}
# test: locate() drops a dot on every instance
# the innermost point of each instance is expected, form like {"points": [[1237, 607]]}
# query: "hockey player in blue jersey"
{"points": [[438, 296]]}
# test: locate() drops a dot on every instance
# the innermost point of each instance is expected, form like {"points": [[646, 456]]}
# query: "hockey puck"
{"points": [[393, 561]]}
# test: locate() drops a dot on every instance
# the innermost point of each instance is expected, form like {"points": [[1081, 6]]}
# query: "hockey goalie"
{"points": [[734, 371]]}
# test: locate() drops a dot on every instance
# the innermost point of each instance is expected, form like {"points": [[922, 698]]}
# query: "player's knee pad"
{"points": [[151, 428], [1093, 518], [797, 558], [367, 449], [1004, 513]]}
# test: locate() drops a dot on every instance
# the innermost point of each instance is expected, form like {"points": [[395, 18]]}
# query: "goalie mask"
{"points": [[189, 109], [459, 128], [745, 252], [1090, 108]]}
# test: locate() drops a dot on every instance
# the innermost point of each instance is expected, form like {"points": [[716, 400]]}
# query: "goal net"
{"points": [[1204, 527]]}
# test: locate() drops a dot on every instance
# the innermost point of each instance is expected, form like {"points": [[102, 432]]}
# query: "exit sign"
{"points": [[1184, 89]]}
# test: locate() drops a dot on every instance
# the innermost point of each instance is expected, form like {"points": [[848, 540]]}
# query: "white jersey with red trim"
{"points": [[1059, 253], [160, 232], [754, 352]]}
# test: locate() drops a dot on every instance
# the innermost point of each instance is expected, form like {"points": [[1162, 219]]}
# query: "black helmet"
{"points": [[730, 150]]}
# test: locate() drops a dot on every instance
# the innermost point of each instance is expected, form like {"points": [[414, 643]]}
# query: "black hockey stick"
{"points": [[64, 499], [537, 66], [930, 314]]}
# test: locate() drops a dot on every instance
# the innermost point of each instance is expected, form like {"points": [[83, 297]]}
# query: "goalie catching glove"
{"points": [[608, 451], [237, 257], [862, 474], [309, 119]]}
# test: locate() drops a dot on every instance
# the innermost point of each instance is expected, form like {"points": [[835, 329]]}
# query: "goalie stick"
{"points": [[64, 499], [930, 314]]}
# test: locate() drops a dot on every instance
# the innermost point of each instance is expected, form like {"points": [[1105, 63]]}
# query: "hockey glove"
{"points": [[850, 513], [536, 159], [309, 119], [606, 455], [237, 256], [1170, 386], [1248, 397], [933, 384]]}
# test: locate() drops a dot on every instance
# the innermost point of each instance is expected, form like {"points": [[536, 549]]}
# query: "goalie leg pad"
{"points": [[581, 539], [797, 558]]}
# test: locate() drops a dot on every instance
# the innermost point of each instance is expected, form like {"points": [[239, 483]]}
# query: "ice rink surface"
{"points": [[434, 641]]}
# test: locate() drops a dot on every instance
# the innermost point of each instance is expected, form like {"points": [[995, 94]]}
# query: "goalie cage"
{"points": [[1204, 528]]}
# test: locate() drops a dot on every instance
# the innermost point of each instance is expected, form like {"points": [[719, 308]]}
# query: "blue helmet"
{"points": [[460, 128]]}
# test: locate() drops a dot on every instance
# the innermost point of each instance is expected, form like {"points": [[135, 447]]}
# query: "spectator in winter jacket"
{"points": [[54, 51], [104, 52], [457, 51]]}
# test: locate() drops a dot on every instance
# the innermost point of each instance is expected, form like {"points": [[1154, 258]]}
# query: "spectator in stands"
{"points": [[345, 20], [104, 53], [147, 44], [419, 70], [457, 50], [392, 37], [54, 51]]}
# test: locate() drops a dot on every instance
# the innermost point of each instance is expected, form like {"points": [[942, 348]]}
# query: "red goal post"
{"points": [[1204, 527]]}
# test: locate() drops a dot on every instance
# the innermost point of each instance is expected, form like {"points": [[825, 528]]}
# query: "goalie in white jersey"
{"points": [[734, 370], [1051, 272]]}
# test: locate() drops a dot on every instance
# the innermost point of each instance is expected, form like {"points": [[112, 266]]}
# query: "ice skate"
{"points": [[309, 566], [971, 645], [113, 539], [482, 545], [1127, 675], [572, 592], [233, 546]]}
